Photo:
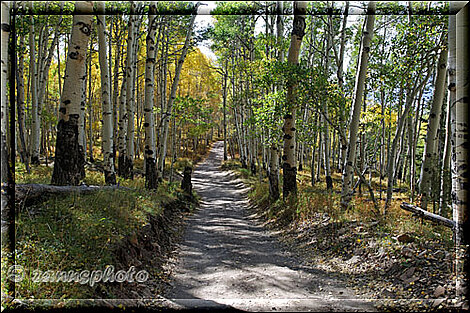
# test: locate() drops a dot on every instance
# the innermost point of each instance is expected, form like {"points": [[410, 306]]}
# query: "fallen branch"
{"points": [[365, 182], [28, 194], [427, 215]]}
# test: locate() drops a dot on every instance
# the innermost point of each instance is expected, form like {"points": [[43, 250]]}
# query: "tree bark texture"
{"points": [[289, 161], [430, 159], [69, 160], [460, 189], [150, 152]]}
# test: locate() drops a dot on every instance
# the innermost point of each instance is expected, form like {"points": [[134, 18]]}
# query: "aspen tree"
{"points": [[128, 165], [430, 161], [289, 161], [36, 121], [172, 97], [460, 188], [69, 160], [107, 129], [348, 171], [7, 203], [150, 144], [273, 173]]}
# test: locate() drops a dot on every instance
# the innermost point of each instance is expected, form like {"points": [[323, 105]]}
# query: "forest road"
{"points": [[227, 260]]}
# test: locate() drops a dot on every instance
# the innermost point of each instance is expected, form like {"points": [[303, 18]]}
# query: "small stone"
{"points": [[440, 291], [436, 302], [411, 280], [405, 238], [353, 260], [408, 273], [407, 252]]}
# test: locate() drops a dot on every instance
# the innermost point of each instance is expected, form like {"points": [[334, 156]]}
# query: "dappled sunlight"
{"points": [[228, 258]]}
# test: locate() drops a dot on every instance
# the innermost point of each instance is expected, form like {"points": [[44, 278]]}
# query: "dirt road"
{"points": [[228, 260]]}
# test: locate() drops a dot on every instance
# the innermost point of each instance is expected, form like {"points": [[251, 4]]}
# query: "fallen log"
{"points": [[28, 194], [427, 215]]}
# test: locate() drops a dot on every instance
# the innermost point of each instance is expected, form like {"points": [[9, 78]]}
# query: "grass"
{"points": [[79, 232], [315, 201]]}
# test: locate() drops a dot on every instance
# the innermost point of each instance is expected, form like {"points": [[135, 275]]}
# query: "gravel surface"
{"points": [[228, 260]]}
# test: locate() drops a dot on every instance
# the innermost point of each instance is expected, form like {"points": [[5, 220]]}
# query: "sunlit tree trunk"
{"points": [[289, 162], [392, 153], [150, 152], [128, 166], [224, 99], [172, 97], [460, 189], [273, 173], [348, 172], [115, 99], [69, 159], [107, 130], [430, 160]]}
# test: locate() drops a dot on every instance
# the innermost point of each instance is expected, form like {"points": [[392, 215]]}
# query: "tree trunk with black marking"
{"points": [[430, 159], [151, 181], [460, 189], [69, 159], [289, 162]]}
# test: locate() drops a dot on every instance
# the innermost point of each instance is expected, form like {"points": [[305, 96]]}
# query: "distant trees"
{"points": [[156, 96]]}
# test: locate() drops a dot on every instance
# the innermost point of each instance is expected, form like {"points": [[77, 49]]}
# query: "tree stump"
{"points": [[186, 184]]}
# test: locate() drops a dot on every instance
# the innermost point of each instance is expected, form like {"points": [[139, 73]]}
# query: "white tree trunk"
{"points": [[130, 105], [430, 161], [289, 161], [348, 171], [149, 125], [460, 190], [7, 206], [171, 99], [69, 160], [107, 129]]}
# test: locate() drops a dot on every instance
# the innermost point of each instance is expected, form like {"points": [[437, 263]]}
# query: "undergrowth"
{"points": [[314, 202], [79, 232]]}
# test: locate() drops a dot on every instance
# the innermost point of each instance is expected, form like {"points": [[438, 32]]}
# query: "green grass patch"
{"points": [[315, 201], [79, 232]]}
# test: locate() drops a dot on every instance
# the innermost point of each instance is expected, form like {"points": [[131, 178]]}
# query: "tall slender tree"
{"points": [[33, 73], [107, 129], [69, 159], [289, 161], [348, 171], [149, 125], [172, 97], [460, 189], [430, 160]]}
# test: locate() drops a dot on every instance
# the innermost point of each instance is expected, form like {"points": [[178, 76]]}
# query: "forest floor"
{"points": [[228, 260]]}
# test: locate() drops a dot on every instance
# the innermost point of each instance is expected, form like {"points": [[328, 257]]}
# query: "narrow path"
{"points": [[227, 260]]}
